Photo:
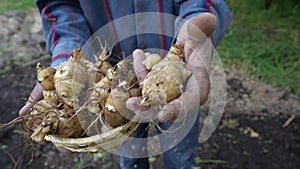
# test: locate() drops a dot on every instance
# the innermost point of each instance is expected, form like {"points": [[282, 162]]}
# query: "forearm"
{"points": [[64, 27]]}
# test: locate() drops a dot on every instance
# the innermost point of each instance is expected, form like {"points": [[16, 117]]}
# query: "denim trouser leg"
{"points": [[136, 163], [182, 155]]}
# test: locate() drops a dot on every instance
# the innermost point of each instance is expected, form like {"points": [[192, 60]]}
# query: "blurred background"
{"points": [[261, 120]]}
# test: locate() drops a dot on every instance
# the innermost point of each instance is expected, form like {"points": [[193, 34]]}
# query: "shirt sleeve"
{"points": [[189, 9], [64, 27]]}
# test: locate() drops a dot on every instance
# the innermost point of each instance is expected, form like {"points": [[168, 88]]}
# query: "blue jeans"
{"points": [[181, 156]]}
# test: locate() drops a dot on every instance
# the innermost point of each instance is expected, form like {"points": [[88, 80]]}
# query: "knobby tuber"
{"points": [[45, 77], [166, 79], [115, 111], [46, 118], [123, 86]]}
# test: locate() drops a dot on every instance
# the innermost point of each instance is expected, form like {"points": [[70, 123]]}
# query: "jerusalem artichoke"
{"points": [[166, 80]]}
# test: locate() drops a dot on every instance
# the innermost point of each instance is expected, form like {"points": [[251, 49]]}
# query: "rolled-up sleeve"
{"points": [[64, 27], [189, 9]]}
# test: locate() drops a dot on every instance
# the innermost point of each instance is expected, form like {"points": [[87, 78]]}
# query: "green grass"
{"points": [[9, 5], [265, 42]]}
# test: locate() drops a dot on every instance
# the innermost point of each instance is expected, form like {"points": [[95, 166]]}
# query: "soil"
{"points": [[250, 135]]}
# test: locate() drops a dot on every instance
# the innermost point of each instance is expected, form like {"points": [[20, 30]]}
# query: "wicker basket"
{"points": [[105, 141]]}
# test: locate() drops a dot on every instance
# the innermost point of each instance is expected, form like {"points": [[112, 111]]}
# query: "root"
{"points": [[155, 123], [83, 107], [14, 121], [21, 156], [101, 118], [10, 156], [106, 51], [28, 144], [94, 121]]}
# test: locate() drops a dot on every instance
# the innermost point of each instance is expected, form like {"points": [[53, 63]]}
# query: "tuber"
{"points": [[108, 96], [45, 76], [115, 112], [166, 79], [46, 118], [71, 78]]}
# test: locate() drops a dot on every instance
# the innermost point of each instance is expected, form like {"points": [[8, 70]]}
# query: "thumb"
{"points": [[188, 101], [147, 114], [139, 68], [133, 104]]}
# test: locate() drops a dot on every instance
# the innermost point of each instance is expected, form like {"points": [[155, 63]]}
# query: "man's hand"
{"points": [[198, 49], [35, 96]]}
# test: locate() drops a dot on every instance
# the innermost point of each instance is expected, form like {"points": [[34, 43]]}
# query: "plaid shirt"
{"points": [[69, 23]]}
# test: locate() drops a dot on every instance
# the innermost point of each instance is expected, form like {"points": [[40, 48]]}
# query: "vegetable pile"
{"points": [[78, 86]]}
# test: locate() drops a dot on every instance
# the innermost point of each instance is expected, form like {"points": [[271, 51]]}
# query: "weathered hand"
{"points": [[35, 96], [198, 52], [195, 37]]}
